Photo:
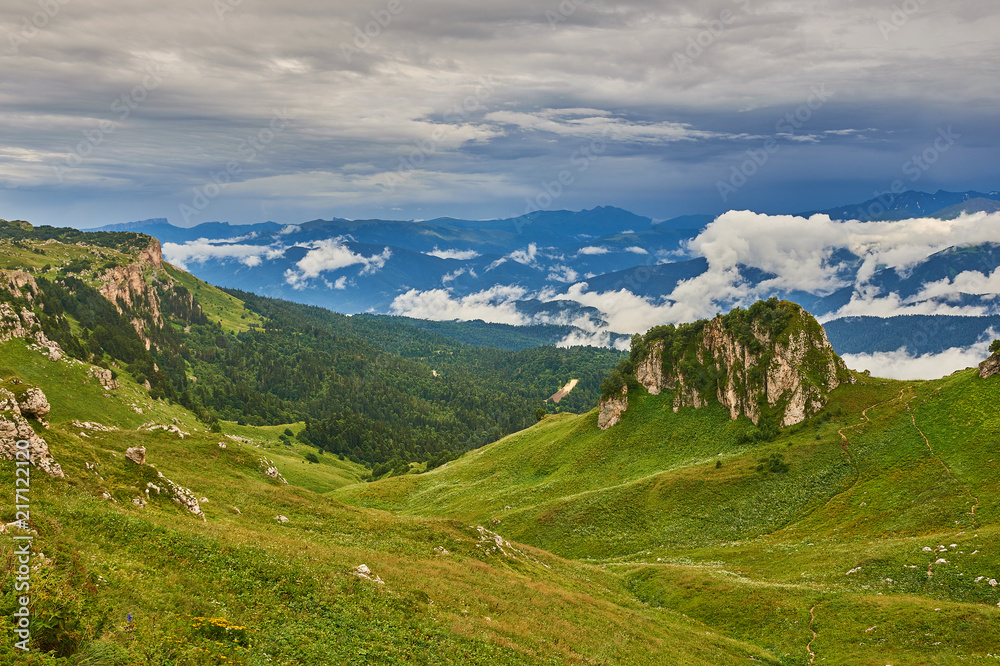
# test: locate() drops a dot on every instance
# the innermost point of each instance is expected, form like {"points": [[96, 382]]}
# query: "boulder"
{"points": [[33, 404], [14, 429], [136, 454]]}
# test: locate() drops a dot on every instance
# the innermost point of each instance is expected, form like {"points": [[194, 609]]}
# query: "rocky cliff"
{"points": [[773, 358], [126, 285], [14, 407]]}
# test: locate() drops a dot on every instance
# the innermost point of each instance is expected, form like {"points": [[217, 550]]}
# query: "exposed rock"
{"points": [[183, 496], [441, 550], [91, 425], [281, 519], [139, 502], [136, 454], [990, 366], [106, 377], [25, 325], [151, 427], [34, 404], [19, 284], [126, 286], [364, 573], [649, 371], [14, 428], [743, 363], [610, 410], [270, 470]]}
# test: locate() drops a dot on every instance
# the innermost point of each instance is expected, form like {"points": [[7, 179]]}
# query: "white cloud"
{"points": [[289, 229], [799, 252], [341, 283], [586, 339], [449, 277], [329, 255], [900, 364], [495, 305], [561, 273], [966, 282], [463, 255], [635, 249], [202, 250], [593, 249], [528, 257], [625, 312], [592, 123]]}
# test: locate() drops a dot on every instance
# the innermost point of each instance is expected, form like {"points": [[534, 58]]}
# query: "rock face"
{"points": [[649, 371], [14, 428], [990, 366], [24, 324], [610, 410], [774, 357]]}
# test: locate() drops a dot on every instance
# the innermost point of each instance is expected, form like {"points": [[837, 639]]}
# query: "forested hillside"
{"points": [[376, 391]]}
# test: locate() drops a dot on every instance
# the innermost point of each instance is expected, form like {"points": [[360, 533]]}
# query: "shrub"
{"points": [[311, 457]]}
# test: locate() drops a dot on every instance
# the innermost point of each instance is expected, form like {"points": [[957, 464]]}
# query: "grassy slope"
{"points": [[216, 304], [289, 584], [752, 552]]}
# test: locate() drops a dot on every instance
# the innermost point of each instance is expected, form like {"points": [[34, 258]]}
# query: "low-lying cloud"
{"points": [[463, 255], [199, 251], [331, 254], [900, 364]]}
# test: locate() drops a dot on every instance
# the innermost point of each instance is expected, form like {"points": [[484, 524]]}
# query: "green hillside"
{"points": [[698, 519], [864, 534], [241, 587]]}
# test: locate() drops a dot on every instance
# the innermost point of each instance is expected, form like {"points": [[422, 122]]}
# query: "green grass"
{"points": [[216, 304], [285, 591], [750, 552]]}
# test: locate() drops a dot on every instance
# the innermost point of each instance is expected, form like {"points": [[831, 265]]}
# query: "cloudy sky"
{"points": [[246, 111]]}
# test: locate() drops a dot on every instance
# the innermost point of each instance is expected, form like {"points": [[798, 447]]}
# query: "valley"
{"points": [[862, 531]]}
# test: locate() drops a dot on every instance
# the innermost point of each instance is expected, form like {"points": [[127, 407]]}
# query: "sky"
{"points": [[246, 111]]}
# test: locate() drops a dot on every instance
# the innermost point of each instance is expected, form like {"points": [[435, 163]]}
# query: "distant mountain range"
{"points": [[595, 276]]}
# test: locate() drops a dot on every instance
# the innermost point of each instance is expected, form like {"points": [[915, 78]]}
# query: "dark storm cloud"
{"points": [[119, 109]]}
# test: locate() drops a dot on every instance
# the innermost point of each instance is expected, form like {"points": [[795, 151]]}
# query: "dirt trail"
{"points": [[968, 490], [812, 618], [845, 443]]}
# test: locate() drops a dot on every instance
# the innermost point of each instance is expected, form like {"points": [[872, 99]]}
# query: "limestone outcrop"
{"points": [[15, 428], [24, 324], [610, 409], [773, 357]]}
